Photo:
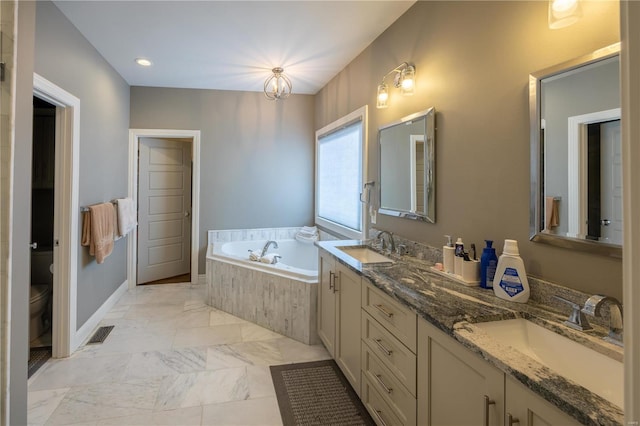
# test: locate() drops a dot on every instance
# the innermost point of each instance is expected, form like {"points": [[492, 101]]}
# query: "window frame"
{"points": [[359, 115]]}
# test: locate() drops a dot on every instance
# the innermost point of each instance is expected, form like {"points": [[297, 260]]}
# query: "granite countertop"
{"points": [[454, 308]]}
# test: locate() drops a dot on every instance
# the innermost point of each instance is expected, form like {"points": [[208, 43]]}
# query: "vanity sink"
{"points": [[365, 255], [597, 372]]}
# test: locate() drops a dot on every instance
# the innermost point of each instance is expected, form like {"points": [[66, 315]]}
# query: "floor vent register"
{"points": [[100, 335]]}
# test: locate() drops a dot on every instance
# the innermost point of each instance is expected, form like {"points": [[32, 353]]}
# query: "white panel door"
{"points": [[164, 209], [611, 189]]}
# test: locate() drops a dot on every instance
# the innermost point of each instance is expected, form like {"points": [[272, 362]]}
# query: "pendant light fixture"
{"points": [[277, 86], [404, 79], [563, 13]]}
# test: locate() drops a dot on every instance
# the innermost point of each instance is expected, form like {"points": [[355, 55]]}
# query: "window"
{"points": [[340, 172]]}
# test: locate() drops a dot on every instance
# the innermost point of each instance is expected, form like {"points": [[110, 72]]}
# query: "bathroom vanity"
{"points": [[420, 354]]}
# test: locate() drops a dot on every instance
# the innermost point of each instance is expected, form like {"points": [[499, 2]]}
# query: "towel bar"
{"points": [[86, 208]]}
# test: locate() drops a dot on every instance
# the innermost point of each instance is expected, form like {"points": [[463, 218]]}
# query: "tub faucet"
{"points": [[592, 307], [266, 247], [392, 244]]}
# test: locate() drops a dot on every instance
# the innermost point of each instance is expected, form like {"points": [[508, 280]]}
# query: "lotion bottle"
{"points": [[510, 282], [488, 265], [448, 253]]}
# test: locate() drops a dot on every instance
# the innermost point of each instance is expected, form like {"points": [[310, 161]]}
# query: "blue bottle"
{"points": [[488, 264]]}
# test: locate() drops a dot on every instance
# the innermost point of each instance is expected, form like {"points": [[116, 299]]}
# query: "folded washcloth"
{"points": [[306, 238], [309, 229], [254, 255], [270, 258]]}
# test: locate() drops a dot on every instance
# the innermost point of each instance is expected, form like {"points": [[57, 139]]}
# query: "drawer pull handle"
{"points": [[386, 388], [379, 416], [383, 347], [511, 420], [335, 285], [487, 403], [331, 280], [382, 309]]}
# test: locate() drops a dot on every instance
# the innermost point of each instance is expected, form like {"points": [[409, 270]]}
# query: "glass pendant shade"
{"points": [[277, 86], [407, 81], [383, 96], [563, 13]]}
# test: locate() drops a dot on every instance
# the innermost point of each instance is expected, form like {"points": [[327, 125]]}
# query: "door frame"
{"points": [[577, 167], [134, 143], [65, 337]]}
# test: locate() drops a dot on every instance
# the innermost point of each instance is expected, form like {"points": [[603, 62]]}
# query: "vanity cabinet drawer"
{"points": [[399, 320], [393, 354], [395, 394], [380, 411]]}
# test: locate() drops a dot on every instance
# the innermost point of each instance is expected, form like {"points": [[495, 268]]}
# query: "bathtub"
{"points": [[281, 297], [298, 260]]}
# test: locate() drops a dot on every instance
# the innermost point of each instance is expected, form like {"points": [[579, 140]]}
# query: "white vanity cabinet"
{"points": [[456, 387], [525, 408], [339, 315], [388, 358]]}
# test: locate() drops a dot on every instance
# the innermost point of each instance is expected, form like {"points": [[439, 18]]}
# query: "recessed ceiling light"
{"points": [[143, 62]]}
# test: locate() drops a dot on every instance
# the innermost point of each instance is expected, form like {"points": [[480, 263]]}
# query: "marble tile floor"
{"points": [[170, 360]]}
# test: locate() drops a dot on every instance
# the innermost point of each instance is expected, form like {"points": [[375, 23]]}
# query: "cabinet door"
{"points": [[348, 287], [528, 409], [455, 386], [326, 302]]}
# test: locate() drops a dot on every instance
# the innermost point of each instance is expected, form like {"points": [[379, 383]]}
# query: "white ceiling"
{"points": [[231, 45]]}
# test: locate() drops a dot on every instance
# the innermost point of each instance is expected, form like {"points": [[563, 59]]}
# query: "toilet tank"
{"points": [[41, 260]]}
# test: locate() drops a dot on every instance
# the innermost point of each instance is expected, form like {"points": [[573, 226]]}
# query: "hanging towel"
{"points": [[99, 229], [552, 216], [126, 216]]}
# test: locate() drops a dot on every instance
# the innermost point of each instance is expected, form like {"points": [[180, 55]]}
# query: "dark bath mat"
{"points": [[37, 358], [317, 393]]}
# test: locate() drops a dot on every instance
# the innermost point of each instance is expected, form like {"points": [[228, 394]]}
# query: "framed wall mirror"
{"points": [[407, 167], [576, 160]]}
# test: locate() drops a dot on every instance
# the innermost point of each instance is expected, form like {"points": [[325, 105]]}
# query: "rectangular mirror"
{"points": [[576, 167], [407, 167]]}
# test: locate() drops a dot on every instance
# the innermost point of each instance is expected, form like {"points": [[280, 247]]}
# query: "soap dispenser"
{"points": [[510, 281], [448, 254], [488, 264]]}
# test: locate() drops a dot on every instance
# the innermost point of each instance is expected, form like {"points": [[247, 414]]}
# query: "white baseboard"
{"points": [[87, 328], [202, 279]]}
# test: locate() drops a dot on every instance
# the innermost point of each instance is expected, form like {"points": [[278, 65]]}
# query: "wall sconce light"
{"points": [[404, 79], [563, 13], [277, 86]]}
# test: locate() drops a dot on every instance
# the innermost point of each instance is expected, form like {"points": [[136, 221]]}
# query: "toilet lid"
{"points": [[38, 291]]}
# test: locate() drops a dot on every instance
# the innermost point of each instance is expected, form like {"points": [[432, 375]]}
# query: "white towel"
{"points": [[127, 216], [307, 234], [270, 258], [254, 255]]}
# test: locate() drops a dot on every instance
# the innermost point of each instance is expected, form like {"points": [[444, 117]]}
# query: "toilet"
{"points": [[38, 302], [40, 294]]}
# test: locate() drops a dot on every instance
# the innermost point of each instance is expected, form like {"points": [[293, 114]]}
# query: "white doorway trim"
{"points": [[134, 141], [577, 167], [65, 250]]}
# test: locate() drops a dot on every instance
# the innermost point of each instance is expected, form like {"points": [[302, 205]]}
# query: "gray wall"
{"points": [[257, 156], [21, 224], [473, 60], [64, 57]]}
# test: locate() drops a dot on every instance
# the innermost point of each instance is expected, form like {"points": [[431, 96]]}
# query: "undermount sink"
{"points": [[597, 372], [365, 254]]}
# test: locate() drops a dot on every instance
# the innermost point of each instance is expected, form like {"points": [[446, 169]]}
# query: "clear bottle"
{"points": [[488, 265], [448, 254], [510, 282]]}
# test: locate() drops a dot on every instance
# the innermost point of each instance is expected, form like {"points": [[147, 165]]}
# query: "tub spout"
{"points": [[266, 247]]}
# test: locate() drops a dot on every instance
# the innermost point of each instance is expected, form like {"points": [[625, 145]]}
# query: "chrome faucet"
{"points": [[266, 247], [577, 320], [392, 244], [592, 307]]}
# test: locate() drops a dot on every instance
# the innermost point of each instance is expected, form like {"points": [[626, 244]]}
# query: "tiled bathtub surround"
{"points": [[284, 305]]}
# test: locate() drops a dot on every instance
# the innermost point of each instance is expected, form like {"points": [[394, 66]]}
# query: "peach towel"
{"points": [[552, 216], [98, 230]]}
